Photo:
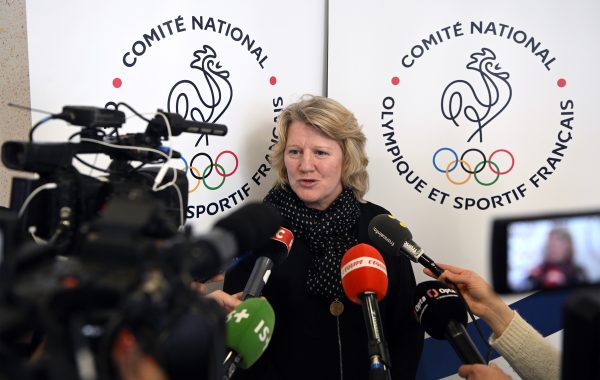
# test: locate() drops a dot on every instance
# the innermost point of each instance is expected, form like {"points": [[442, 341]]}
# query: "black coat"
{"points": [[304, 343]]}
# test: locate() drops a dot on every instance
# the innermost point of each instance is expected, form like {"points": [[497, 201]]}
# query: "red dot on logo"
{"points": [[273, 80], [117, 82], [561, 82], [395, 81]]}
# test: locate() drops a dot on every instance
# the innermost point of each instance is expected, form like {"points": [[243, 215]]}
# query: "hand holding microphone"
{"points": [[443, 315], [390, 235], [244, 229], [272, 253], [480, 297], [364, 279], [251, 323], [512, 335]]}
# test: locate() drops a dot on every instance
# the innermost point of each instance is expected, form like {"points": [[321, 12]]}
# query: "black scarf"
{"points": [[329, 234]]}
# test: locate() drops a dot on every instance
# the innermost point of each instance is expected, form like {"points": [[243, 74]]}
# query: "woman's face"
{"points": [[558, 248], [314, 165]]}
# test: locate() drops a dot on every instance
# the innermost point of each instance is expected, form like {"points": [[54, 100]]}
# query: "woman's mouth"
{"points": [[308, 182]]}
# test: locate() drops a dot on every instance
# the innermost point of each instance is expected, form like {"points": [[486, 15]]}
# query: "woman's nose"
{"points": [[306, 162]]}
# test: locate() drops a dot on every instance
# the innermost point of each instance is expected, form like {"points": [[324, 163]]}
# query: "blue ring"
{"points": [[187, 167], [455, 159]]}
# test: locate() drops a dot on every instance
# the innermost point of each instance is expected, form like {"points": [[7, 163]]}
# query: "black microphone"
{"points": [[180, 125], [247, 228], [443, 315], [390, 235], [272, 253]]}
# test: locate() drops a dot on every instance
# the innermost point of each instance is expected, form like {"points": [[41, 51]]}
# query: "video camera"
{"points": [[70, 197], [84, 257]]}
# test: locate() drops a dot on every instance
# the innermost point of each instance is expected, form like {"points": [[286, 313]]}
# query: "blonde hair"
{"points": [[339, 124]]}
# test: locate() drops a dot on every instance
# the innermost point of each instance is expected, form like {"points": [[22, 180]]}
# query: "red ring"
{"points": [[234, 169], [511, 157]]}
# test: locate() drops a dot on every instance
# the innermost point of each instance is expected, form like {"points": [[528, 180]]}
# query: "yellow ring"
{"points": [[461, 162], [199, 181]]}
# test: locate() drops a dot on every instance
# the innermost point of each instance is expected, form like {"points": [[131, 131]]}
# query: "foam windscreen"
{"points": [[363, 271], [436, 305]]}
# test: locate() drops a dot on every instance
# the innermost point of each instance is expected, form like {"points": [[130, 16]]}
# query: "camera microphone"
{"points": [[180, 125]]}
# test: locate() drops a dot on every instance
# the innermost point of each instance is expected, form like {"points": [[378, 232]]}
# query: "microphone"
{"points": [[180, 125], [251, 224], [248, 329], [364, 279], [273, 253], [247, 228], [443, 315], [392, 236]]}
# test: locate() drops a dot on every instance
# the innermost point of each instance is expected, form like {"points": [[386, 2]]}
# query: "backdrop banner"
{"points": [[472, 111], [231, 63]]}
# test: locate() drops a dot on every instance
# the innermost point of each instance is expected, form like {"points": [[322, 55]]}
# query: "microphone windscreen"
{"points": [[436, 305], [363, 270], [249, 329], [388, 234], [278, 247], [252, 224]]}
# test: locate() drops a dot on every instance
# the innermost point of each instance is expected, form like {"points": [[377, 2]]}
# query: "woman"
{"points": [[558, 268], [320, 163]]}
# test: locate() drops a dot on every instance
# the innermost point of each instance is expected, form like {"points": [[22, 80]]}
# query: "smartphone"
{"points": [[550, 251]]}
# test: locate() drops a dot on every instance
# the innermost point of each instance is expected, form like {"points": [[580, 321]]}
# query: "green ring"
{"points": [[482, 163], [209, 167]]}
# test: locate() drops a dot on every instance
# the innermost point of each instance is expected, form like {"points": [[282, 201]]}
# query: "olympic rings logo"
{"points": [[469, 169], [208, 170]]}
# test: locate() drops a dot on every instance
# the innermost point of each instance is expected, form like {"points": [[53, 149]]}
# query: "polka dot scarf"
{"points": [[329, 234]]}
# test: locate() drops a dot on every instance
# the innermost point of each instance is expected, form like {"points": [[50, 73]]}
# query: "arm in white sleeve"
{"points": [[526, 350]]}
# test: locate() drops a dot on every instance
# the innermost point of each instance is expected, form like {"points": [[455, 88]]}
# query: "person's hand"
{"points": [[227, 301], [480, 297], [201, 286], [481, 371]]}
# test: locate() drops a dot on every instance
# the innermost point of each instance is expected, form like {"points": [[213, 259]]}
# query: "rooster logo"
{"points": [[206, 99], [463, 105]]}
